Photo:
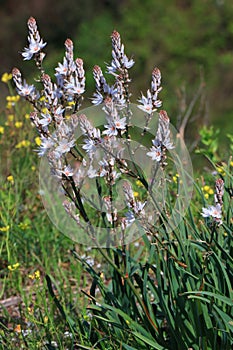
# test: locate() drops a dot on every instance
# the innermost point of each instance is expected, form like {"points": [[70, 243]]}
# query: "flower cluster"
{"points": [[162, 141], [35, 42], [6, 77], [150, 103], [100, 152], [136, 208], [215, 211], [120, 62]]}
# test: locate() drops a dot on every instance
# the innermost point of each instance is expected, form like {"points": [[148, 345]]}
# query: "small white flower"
{"points": [[130, 218], [34, 47], [46, 145], [90, 145], [139, 207], [46, 120], [62, 68], [68, 171], [146, 103], [156, 152], [65, 146], [127, 63], [26, 90], [113, 127], [91, 173], [97, 98], [213, 211]]}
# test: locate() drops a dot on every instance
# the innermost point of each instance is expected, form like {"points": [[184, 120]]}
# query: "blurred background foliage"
{"points": [[186, 39]]}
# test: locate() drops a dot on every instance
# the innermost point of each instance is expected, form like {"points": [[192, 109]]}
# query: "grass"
{"points": [[31, 248]]}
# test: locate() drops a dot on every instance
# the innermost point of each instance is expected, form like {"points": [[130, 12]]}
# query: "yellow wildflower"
{"points": [[24, 143], [5, 228], [46, 319], [9, 105], [18, 125], [23, 225], [13, 98], [45, 110], [175, 178], [136, 194], [2, 129], [38, 141], [10, 178], [6, 77], [139, 184], [207, 191], [221, 170], [27, 116], [33, 168], [231, 163], [37, 274], [13, 267], [30, 310], [10, 117]]}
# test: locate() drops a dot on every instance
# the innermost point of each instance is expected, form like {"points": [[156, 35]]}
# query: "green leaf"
{"points": [[127, 347], [197, 294], [206, 316], [228, 321], [148, 341]]}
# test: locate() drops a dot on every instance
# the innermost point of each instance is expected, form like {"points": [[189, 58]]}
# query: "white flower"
{"points": [[156, 152], [34, 47], [91, 173], [26, 90], [130, 218], [138, 207], [68, 171], [46, 145], [90, 145], [65, 146], [214, 212], [62, 68], [147, 103], [75, 88], [46, 120], [113, 67], [97, 98], [127, 63], [113, 127]]}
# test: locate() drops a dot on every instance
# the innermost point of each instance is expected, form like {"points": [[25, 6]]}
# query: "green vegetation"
{"points": [[171, 289], [168, 292]]}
